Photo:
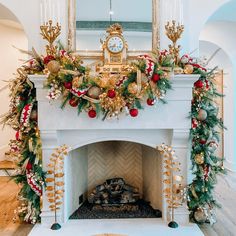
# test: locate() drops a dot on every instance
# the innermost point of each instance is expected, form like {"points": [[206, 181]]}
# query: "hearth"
{"points": [[167, 124]]}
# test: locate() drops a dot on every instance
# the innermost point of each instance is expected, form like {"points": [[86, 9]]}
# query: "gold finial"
{"points": [[174, 32], [50, 33], [115, 29]]}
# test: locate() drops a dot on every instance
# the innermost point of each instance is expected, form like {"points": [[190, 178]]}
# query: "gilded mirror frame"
{"points": [[71, 34]]}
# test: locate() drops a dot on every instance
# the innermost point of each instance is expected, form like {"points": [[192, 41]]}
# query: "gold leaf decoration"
{"points": [[172, 180], [55, 190]]}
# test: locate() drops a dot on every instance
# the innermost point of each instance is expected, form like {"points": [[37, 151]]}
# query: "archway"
{"points": [[219, 33], [12, 34]]}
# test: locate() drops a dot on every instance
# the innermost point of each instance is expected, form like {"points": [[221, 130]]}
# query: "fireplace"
{"points": [[167, 124], [132, 169]]}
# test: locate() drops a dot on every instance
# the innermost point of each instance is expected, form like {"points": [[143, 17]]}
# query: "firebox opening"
{"points": [[117, 179]]}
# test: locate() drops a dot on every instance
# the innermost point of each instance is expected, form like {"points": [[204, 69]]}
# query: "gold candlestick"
{"points": [[50, 33], [174, 32]]}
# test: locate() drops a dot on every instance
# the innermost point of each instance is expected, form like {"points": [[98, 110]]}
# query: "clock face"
{"points": [[115, 44]]}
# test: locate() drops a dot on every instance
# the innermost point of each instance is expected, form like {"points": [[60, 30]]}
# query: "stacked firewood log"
{"points": [[114, 191]]}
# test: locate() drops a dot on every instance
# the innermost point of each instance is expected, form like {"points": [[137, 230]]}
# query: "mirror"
{"points": [[93, 17]]}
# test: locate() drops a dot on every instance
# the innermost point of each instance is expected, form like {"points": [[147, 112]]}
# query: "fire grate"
{"points": [[139, 209]]}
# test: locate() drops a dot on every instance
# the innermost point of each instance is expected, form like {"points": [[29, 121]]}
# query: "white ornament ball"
{"points": [[202, 115]]}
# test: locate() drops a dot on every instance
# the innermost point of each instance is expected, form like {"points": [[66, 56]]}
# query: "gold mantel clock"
{"points": [[114, 51]]}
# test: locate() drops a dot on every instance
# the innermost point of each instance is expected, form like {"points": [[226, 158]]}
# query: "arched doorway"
{"points": [[12, 35], [218, 34]]}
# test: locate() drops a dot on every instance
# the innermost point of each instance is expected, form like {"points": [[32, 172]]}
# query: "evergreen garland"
{"points": [[205, 137]]}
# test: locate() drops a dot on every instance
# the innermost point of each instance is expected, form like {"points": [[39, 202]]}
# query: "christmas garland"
{"points": [[146, 78], [109, 94], [205, 138], [26, 148]]}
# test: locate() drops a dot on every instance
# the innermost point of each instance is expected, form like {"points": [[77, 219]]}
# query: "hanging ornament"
{"points": [[74, 102], [202, 141], [202, 115], [92, 113], [185, 59], [77, 81], [200, 215], [133, 88], [34, 115], [111, 93], [47, 59], [199, 158], [68, 85], [133, 112], [212, 146], [194, 123], [94, 92], [198, 84], [18, 135], [150, 102], [188, 69], [54, 66], [155, 78]]}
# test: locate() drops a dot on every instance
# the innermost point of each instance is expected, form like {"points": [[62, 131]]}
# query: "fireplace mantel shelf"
{"points": [[160, 116]]}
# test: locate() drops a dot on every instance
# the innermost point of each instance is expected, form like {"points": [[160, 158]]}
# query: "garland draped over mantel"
{"points": [[147, 78]]}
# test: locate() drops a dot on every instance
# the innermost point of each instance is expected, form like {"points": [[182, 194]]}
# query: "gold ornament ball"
{"points": [[199, 158], [133, 88], [202, 115], [188, 69], [34, 115], [94, 92], [54, 67], [77, 81], [200, 216]]}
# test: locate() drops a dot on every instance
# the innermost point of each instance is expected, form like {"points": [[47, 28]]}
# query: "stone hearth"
{"points": [[166, 123]]}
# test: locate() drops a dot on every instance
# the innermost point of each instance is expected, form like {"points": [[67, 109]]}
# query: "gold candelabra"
{"points": [[174, 32], [50, 33]]}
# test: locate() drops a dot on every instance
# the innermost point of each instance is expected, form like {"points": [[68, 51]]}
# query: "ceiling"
{"points": [[124, 10]]}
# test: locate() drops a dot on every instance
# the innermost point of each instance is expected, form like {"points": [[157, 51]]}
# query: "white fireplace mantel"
{"points": [[162, 123]]}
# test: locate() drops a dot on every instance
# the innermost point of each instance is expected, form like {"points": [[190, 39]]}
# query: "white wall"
{"points": [[9, 61]]}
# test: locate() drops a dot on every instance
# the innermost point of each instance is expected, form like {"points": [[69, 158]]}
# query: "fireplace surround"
{"points": [[166, 123]]}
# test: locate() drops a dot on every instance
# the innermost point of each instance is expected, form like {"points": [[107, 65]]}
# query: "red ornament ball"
{"points": [[111, 93], [150, 102], [155, 78], [198, 84], [202, 141], [92, 113], [68, 85], [74, 102], [48, 58], [133, 112], [17, 135]]}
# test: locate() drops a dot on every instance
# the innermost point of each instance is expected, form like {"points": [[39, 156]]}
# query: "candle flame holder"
{"points": [[50, 33], [174, 32]]}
